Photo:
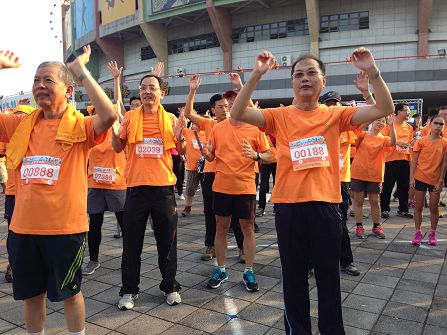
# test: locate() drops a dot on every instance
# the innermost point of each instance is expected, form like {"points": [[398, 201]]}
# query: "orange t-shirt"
{"points": [[404, 133], [193, 153], [207, 126], [61, 208], [426, 130], [235, 174], [289, 124], [106, 167], [369, 161], [431, 155], [150, 171], [347, 138]]}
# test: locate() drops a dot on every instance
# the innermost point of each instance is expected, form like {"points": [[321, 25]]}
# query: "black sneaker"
{"points": [[260, 212], [256, 228], [405, 215], [442, 204], [385, 215], [217, 278], [350, 269], [250, 281]]}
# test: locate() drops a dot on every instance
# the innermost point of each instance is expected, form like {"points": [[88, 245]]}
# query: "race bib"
{"points": [[195, 145], [104, 175], [150, 147], [40, 170], [402, 150], [309, 153]]}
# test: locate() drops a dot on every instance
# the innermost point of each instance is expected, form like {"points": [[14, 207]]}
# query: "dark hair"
{"points": [[399, 107], [133, 98], [442, 107], [436, 116], [309, 56], [214, 98], [160, 81], [432, 112], [64, 73]]}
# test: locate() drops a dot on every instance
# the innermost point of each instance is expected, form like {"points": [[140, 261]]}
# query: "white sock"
{"points": [[82, 332], [222, 268], [42, 332], [248, 269]]}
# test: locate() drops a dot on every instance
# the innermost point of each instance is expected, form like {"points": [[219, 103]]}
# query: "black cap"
{"points": [[331, 95]]}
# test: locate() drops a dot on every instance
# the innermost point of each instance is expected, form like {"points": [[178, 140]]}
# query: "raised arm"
{"points": [[235, 79], [8, 61], [362, 85], [178, 132], [363, 59], [194, 84], [241, 110], [119, 144], [116, 73], [105, 113], [392, 132]]}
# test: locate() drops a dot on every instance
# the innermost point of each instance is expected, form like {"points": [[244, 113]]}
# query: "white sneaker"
{"points": [[127, 301], [173, 298], [180, 197]]}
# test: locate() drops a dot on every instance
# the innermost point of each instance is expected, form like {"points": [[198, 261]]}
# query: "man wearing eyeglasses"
{"points": [[150, 134], [307, 189]]}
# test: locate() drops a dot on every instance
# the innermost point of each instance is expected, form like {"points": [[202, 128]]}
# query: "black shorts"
{"points": [[365, 186], [10, 201], [46, 263], [239, 205], [423, 187]]}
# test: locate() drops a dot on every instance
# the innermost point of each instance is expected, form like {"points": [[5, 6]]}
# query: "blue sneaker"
{"points": [[217, 278], [250, 281]]}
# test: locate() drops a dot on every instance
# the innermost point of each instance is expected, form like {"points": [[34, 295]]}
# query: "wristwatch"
{"points": [[258, 157]]}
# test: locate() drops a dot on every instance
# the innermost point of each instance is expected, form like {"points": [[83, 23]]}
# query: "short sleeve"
{"points": [[92, 138], [387, 144], [417, 146], [8, 124], [269, 117], [345, 118]]}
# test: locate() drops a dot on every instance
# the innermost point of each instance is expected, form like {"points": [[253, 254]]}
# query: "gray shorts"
{"points": [[365, 186], [100, 200], [192, 181]]}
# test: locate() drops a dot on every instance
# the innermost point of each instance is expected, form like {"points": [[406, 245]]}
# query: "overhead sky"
{"points": [[25, 28]]}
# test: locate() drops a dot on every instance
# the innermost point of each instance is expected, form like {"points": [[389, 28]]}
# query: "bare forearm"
{"points": [[393, 135], [443, 168], [118, 144], [384, 100], [117, 89], [181, 147], [369, 99], [238, 111], [189, 108], [413, 165]]}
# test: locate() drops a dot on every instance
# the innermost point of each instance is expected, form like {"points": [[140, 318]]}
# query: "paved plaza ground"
{"points": [[402, 288]]}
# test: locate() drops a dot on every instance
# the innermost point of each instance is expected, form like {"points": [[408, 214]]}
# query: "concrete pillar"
{"points": [[424, 13], [313, 21], [157, 36], [221, 21]]}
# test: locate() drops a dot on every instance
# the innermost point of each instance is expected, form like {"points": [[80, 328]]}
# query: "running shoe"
{"points": [[217, 278], [256, 228], [359, 232], [417, 239], [90, 268], [260, 212], [378, 232], [250, 281], [8, 274], [180, 197], [350, 269], [432, 240], [127, 301], [405, 214], [209, 254], [385, 215], [173, 298], [186, 211], [442, 204]]}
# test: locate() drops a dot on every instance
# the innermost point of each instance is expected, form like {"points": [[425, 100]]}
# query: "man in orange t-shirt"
{"points": [[307, 189], [150, 134], [236, 147], [48, 151], [397, 164]]}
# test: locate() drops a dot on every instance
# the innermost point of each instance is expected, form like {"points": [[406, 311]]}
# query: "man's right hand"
{"points": [[264, 63], [114, 70], [7, 60], [194, 82]]}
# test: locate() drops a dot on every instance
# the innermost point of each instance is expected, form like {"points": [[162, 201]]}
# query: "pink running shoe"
{"points": [[359, 232], [417, 239], [432, 240], [378, 232]]}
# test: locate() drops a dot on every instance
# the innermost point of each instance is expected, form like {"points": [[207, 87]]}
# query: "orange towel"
{"points": [[164, 122], [71, 130]]}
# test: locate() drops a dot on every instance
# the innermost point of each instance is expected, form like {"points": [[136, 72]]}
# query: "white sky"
{"points": [[25, 28]]}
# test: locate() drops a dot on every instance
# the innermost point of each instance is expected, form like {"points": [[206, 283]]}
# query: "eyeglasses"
{"points": [[310, 74], [439, 123], [149, 88]]}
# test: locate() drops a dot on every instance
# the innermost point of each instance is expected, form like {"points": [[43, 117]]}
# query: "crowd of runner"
{"points": [[62, 171]]}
